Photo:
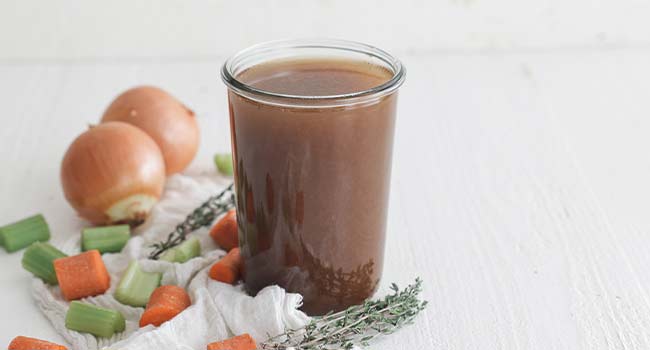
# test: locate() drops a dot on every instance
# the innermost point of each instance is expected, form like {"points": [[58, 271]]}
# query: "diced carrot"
{"points": [[228, 269], [26, 343], [164, 304], [82, 275], [224, 232], [240, 342]]}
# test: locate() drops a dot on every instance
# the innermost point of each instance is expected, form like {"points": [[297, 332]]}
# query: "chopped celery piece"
{"points": [[92, 319], [120, 323], [38, 259], [223, 162], [172, 255], [183, 252], [21, 234], [136, 286], [109, 239]]}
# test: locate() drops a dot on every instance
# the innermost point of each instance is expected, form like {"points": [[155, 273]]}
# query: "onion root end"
{"points": [[133, 209]]}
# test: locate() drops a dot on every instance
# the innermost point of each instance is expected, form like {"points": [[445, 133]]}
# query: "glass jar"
{"points": [[312, 171]]}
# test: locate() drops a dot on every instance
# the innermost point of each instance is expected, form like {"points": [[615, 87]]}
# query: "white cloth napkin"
{"points": [[218, 310]]}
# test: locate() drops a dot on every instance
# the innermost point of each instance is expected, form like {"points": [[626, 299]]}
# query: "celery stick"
{"points": [[136, 286], [92, 319], [120, 323], [189, 249], [109, 239], [183, 252], [223, 161], [171, 255], [38, 259], [21, 234]]}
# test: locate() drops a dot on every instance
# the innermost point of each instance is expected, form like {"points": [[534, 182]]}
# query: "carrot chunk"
{"points": [[224, 233], [164, 304], [26, 343], [82, 275], [240, 342], [228, 269]]}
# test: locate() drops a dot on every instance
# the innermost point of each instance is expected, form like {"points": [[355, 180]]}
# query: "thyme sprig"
{"points": [[357, 325], [200, 217]]}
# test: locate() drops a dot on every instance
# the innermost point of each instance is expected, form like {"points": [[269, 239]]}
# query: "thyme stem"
{"points": [[200, 217]]}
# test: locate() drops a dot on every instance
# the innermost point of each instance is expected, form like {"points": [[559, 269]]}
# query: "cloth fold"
{"points": [[218, 310]]}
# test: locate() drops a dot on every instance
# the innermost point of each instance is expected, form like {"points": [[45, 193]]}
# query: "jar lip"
{"points": [[397, 68]]}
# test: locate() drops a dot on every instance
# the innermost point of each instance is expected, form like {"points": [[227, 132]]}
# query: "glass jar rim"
{"points": [[228, 74]]}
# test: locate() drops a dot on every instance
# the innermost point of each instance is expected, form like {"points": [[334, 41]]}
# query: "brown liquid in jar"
{"points": [[312, 183]]}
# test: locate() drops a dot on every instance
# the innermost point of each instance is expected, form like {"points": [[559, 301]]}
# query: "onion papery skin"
{"points": [[113, 173], [163, 117]]}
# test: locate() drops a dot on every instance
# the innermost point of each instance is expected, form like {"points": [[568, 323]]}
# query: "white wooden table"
{"points": [[519, 194]]}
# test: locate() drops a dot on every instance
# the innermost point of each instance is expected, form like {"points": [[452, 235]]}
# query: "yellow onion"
{"points": [[113, 173], [159, 114]]}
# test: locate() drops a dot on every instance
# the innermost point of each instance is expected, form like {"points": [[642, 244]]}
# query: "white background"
{"points": [[521, 158]]}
